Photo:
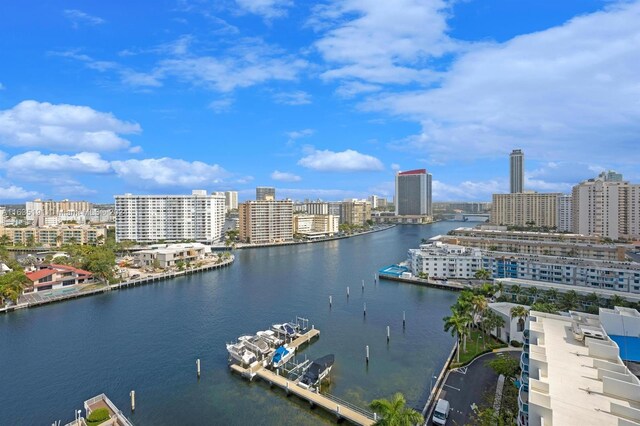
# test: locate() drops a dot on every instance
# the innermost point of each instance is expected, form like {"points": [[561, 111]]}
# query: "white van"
{"points": [[441, 412]]}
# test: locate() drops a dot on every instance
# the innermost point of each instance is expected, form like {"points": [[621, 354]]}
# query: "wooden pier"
{"points": [[342, 409]]}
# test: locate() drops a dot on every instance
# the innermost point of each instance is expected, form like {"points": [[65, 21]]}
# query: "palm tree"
{"points": [[395, 412], [515, 291], [482, 274], [552, 294], [479, 305], [617, 301], [12, 285], [593, 299], [533, 292], [521, 313], [5, 240], [569, 300], [499, 287], [456, 324]]}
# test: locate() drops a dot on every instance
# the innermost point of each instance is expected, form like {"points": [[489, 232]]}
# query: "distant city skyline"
{"points": [[320, 100]]}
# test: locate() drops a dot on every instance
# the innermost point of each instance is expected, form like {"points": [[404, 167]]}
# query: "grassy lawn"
{"points": [[90, 287], [477, 346]]}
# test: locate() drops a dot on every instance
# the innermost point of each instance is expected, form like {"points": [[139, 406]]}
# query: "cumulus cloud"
{"points": [[34, 161], [78, 17], [285, 176], [567, 92], [221, 105], [344, 161], [268, 9], [13, 192], [297, 97], [294, 135], [468, 190], [169, 172], [63, 127], [381, 41]]}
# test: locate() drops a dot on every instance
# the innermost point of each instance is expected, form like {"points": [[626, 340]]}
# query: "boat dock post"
{"points": [[388, 335], [198, 367], [347, 292], [367, 354], [365, 309], [330, 301], [404, 319], [132, 394]]}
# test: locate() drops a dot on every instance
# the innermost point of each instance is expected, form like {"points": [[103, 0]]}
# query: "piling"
{"points": [[365, 309], [362, 285], [404, 319], [367, 355], [330, 301], [347, 292], [388, 334], [198, 367], [132, 394]]}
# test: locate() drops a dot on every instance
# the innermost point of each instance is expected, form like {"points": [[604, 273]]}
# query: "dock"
{"points": [[342, 409]]}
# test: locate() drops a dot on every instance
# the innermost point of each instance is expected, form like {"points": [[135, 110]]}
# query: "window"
{"points": [[521, 324]]}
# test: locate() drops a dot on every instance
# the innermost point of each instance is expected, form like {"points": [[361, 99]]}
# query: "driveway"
{"points": [[469, 385]]}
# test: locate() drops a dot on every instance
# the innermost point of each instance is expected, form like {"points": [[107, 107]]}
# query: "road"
{"points": [[470, 385]]}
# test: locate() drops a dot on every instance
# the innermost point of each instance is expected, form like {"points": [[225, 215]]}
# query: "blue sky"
{"points": [[319, 99]]}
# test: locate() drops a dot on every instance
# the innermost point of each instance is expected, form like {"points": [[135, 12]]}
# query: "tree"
{"points": [[12, 285], [519, 312], [394, 412], [482, 274], [533, 292], [568, 301], [5, 240], [479, 305], [492, 321], [507, 366], [617, 301], [547, 307], [551, 294], [515, 291], [456, 324]]}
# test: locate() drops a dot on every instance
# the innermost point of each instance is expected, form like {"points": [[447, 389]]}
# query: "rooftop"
{"points": [[504, 307], [563, 288]]}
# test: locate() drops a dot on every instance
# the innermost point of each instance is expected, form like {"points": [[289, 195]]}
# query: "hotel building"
{"points": [[413, 193]]}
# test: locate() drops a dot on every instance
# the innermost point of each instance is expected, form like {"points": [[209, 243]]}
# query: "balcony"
{"points": [[524, 362], [523, 399]]}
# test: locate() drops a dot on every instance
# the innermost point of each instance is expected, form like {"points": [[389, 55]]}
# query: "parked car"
{"points": [[441, 413]]}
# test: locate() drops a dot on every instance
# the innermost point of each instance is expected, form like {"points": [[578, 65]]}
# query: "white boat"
{"points": [[285, 330], [281, 355], [240, 353], [317, 372], [257, 345], [271, 337]]}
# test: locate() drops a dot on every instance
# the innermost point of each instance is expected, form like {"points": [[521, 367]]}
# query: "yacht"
{"points": [[282, 354], [257, 345], [271, 337], [241, 353], [286, 330], [317, 371]]}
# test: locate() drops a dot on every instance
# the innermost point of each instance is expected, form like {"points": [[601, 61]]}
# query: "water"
{"points": [[147, 338]]}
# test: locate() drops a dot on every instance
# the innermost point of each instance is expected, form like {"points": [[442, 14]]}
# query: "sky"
{"points": [[324, 99]]}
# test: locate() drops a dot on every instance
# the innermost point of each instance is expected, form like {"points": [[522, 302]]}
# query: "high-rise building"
{"points": [[610, 176], [317, 207], [525, 209], [38, 211], [516, 171], [335, 209], [266, 222], [265, 193], [150, 218], [355, 212], [230, 200], [413, 193], [563, 215], [608, 208]]}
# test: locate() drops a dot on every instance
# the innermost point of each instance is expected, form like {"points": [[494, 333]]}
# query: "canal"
{"points": [[147, 338]]}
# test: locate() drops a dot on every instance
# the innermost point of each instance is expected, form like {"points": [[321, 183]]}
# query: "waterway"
{"points": [[147, 338]]}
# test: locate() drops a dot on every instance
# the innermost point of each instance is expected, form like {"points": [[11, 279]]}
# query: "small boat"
{"points": [[270, 337], [282, 354], [286, 330], [257, 345], [317, 371], [240, 353]]}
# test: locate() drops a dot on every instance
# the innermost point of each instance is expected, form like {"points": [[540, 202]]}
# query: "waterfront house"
{"points": [[52, 276]]}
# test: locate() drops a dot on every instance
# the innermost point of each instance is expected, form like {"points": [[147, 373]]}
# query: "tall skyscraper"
{"points": [[413, 193], [265, 193], [150, 218], [563, 215], [516, 171], [230, 200]]}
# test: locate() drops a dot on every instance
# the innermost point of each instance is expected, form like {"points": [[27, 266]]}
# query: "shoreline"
{"points": [[117, 286]]}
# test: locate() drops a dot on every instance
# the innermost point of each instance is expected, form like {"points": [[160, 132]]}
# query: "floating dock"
{"points": [[342, 409]]}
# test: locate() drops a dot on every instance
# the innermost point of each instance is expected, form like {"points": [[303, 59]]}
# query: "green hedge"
{"points": [[98, 416]]}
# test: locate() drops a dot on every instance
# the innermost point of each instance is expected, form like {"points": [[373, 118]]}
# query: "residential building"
{"points": [[51, 277], [563, 213], [170, 255], [610, 176], [230, 200], [572, 374], [318, 207], [151, 218], [266, 222], [525, 209], [377, 202], [548, 248], [607, 207], [501, 232], [55, 236], [515, 287], [413, 193], [439, 260], [390, 217], [516, 171], [382, 203], [513, 328], [477, 207], [355, 212], [335, 209], [315, 225], [39, 211], [265, 193]]}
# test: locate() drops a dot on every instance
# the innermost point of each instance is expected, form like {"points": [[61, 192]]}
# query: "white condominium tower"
{"points": [[231, 200], [150, 218], [516, 171]]}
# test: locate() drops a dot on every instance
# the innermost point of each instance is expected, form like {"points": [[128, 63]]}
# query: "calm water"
{"points": [[52, 358]]}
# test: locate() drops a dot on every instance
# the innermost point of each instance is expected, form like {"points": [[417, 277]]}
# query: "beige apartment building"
{"points": [[315, 225], [525, 208], [501, 232], [610, 209], [355, 212], [266, 222], [55, 236]]}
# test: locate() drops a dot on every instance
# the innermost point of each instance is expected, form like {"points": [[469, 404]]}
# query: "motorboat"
{"points": [[286, 330], [281, 355], [241, 353], [270, 337], [317, 371], [257, 345]]}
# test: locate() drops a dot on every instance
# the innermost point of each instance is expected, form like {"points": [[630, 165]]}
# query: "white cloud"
{"points": [[169, 172], [221, 105], [63, 127], [467, 190], [395, 167], [268, 9], [35, 161], [297, 97], [298, 134], [78, 17], [314, 193], [382, 41], [345, 161], [567, 92], [13, 192], [285, 177]]}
